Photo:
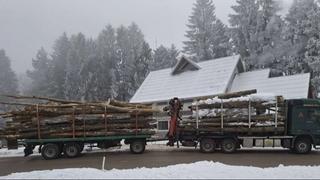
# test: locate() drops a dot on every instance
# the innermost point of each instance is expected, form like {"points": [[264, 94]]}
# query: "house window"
{"points": [[163, 125]]}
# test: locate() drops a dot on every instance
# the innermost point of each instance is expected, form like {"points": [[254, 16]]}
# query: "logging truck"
{"points": [[225, 123], [292, 124]]}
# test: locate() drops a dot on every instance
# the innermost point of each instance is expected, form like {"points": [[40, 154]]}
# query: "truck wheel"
{"points": [[50, 151], [137, 147], [72, 150], [207, 145], [302, 146], [229, 145]]}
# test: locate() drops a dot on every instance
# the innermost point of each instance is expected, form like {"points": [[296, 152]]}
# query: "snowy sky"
{"points": [[26, 25]]}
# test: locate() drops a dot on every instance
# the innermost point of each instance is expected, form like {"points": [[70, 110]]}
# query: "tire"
{"points": [[302, 146], [50, 151], [207, 145], [137, 147], [229, 145], [72, 150]]}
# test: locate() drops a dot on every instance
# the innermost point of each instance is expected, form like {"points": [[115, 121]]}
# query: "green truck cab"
{"points": [[303, 121]]}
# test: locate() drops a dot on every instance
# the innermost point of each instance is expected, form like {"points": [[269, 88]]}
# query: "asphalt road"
{"points": [[159, 158]]}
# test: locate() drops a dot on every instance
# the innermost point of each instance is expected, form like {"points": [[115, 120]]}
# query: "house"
{"points": [[189, 80]]}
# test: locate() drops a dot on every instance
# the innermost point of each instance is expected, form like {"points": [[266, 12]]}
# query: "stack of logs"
{"points": [[56, 118], [233, 115]]}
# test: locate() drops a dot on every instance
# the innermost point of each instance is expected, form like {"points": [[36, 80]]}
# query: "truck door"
{"points": [[306, 120]]}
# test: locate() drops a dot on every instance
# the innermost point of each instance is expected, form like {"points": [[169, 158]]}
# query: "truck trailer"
{"points": [[61, 127], [299, 132]]}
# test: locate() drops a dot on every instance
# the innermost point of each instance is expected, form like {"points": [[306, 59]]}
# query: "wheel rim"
{"points": [[50, 152], [207, 146], [137, 147], [229, 146], [302, 147], [72, 151]]}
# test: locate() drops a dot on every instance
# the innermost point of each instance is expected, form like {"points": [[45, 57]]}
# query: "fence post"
{"points": [[38, 122], [197, 115], [249, 112], [221, 114], [276, 115], [103, 163]]}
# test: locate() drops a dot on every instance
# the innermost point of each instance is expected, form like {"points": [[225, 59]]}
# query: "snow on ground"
{"points": [[202, 169], [4, 152]]}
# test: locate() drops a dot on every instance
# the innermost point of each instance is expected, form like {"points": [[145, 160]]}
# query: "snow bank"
{"points": [[4, 152], [202, 169]]}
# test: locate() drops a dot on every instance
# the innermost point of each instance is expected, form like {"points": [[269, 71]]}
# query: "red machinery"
{"points": [[174, 111]]}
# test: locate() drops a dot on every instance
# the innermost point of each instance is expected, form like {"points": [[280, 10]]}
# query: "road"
{"points": [[159, 158]]}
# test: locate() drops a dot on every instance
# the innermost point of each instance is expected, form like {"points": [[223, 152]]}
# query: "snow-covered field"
{"points": [[202, 169]]}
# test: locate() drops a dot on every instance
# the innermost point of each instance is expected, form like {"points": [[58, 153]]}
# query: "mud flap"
{"points": [[28, 150]]}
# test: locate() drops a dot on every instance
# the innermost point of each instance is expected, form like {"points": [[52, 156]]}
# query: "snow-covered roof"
{"points": [[213, 77], [249, 79], [290, 87]]}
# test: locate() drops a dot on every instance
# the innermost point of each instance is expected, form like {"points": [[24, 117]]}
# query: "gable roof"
{"points": [[213, 77], [184, 64], [290, 87]]}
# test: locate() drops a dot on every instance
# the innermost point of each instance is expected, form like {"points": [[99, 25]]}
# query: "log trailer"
{"points": [[299, 133], [60, 127], [72, 147]]}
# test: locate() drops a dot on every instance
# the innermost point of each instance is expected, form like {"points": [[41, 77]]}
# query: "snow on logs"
{"points": [[57, 118], [255, 113]]}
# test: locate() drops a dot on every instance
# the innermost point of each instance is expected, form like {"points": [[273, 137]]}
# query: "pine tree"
{"points": [[59, 60], [133, 55], [107, 57], [295, 33], [206, 35], [164, 57], [256, 28], [312, 54], [8, 79], [78, 54], [244, 24], [220, 40], [40, 75], [91, 73], [141, 66]]}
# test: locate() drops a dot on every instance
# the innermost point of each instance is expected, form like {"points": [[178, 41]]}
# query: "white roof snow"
{"points": [[247, 80], [213, 77], [290, 87]]}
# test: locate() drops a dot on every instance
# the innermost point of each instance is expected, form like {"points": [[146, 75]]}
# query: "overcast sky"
{"points": [[26, 25]]}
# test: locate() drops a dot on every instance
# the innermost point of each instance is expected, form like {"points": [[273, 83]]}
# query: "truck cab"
{"points": [[304, 119]]}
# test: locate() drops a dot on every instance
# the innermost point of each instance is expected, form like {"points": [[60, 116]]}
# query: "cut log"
{"points": [[229, 95], [61, 117]]}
